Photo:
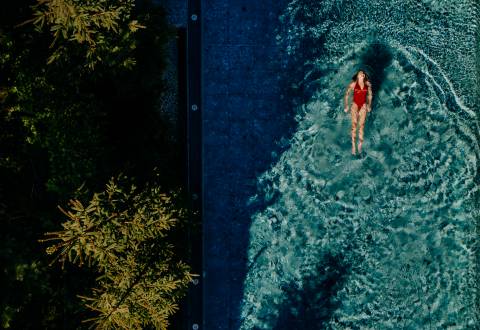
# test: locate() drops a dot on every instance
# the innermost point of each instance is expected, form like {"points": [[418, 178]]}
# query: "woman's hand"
{"points": [[345, 110], [369, 108], [365, 107]]}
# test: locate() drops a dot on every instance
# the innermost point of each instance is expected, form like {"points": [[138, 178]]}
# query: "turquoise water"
{"points": [[388, 240]]}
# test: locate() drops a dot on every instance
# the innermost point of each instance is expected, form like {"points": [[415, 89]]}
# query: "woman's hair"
{"points": [[354, 78]]}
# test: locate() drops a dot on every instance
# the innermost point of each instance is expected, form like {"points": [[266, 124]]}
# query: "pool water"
{"points": [[388, 239]]}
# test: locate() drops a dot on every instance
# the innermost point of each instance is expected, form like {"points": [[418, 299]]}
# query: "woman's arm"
{"points": [[345, 98], [369, 97]]}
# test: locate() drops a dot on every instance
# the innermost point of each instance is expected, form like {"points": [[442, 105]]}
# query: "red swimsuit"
{"points": [[360, 95]]}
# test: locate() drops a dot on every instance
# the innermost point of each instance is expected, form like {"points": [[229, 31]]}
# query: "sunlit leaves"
{"points": [[122, 233], [98, 28]]}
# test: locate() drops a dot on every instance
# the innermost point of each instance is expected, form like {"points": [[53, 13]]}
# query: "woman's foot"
{"points": [[359, 147], [353, 151]]}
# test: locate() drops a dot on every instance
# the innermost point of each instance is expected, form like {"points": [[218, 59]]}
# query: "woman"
{"points": [[360, 106]]}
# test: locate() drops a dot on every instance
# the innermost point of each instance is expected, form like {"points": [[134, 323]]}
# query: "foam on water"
{"points": [[388, 240]]}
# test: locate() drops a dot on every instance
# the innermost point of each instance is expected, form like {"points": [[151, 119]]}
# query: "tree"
{"points": [[101, 30], [66, 124], [123, 234]]}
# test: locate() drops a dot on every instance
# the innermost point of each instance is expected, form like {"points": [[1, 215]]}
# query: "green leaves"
{"points": [[98, 28], [65, 124], [123, 233]]}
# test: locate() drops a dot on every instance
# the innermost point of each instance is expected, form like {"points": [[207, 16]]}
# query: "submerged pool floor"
{"points": [[389, 239]]}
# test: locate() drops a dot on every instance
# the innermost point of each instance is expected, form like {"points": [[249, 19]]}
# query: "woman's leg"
{"points": [[354, 113], [361, 123]]}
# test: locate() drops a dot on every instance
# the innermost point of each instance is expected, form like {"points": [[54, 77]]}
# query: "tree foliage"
{"points": [[123, 234], [78, 120], [100, 30], [84, 118]]}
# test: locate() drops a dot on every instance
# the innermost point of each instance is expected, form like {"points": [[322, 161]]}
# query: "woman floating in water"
{"points": [[361, 105]]}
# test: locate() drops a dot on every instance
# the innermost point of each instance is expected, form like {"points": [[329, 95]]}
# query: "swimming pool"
{"points": [[387, 240]]}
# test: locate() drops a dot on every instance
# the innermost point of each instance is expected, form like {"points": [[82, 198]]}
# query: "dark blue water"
{"points": [[388, 240]]}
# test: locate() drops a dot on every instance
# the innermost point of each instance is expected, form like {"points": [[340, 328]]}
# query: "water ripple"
{"points": [[388, 240]]}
